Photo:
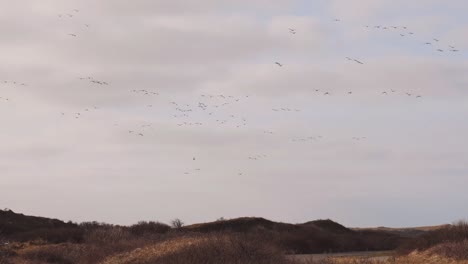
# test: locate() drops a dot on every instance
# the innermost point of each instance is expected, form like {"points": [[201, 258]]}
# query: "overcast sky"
{"points": [[71, 148]]}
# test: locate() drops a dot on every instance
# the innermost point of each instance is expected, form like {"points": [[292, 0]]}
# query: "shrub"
{"points": [[454, 250], [149, 228], [177, 223], [457, 232]]}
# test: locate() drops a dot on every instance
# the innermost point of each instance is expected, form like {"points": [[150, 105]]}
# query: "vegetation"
{"points": [[36, 240]]}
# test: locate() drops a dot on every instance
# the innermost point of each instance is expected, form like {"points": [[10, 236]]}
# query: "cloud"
{"points": [[222, 54]]}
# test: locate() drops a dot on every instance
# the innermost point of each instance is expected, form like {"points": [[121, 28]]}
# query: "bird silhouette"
{"points": [[358, 61]]}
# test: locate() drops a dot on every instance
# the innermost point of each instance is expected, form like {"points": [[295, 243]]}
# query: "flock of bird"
{"points": [[402, 33], [217, 109], [71, 15]]}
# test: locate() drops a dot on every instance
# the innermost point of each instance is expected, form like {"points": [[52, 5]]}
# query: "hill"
{"points": [[20, 227], [405, 232], [311, 237], [242, 224]]}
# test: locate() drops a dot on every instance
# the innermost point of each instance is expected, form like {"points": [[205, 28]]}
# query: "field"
{"points": [[37, 240]]}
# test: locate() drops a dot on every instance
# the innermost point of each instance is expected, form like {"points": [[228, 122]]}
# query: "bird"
{"points": [[358, 61], [436, 40], [327, 93], [279, 64], [440, 50], [384, 92], [350, 92], [419, 96], [73, 35], [292, 31], [193, 158]]}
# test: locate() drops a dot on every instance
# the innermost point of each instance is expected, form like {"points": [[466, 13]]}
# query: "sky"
{"points": [[120, 111]]}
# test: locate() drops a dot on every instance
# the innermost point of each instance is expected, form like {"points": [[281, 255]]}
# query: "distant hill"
{"points": [[328, 225], [311, 237], [405, 232], [21, 227], [243, 224]]}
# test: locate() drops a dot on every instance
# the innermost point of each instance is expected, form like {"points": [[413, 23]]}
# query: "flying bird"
{"points": [[358, 61], [279, 64]]}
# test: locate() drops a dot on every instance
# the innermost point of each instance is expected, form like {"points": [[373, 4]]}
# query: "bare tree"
{"points": [[177, 223]]}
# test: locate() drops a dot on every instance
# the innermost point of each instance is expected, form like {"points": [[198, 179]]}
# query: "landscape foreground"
{"points": [[38, 240]]}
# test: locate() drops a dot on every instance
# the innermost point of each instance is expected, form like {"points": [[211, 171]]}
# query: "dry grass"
{"points": [[99, 244], [207, 249], [426, 257]]}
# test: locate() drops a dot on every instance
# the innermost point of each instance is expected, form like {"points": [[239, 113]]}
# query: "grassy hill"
{"points": [[405, 232], [33, 240], [20, 227]]}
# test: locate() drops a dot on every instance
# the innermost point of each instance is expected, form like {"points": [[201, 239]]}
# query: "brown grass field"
{"points": [[33, 240]]}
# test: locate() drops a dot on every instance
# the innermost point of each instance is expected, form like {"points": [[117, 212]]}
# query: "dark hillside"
{"points": [[311, 237], [328, 225], [19, 227], [243, 224]]}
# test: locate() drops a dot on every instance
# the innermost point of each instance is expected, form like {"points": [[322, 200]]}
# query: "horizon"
{"points": [[291, 110], [230, 219]]}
